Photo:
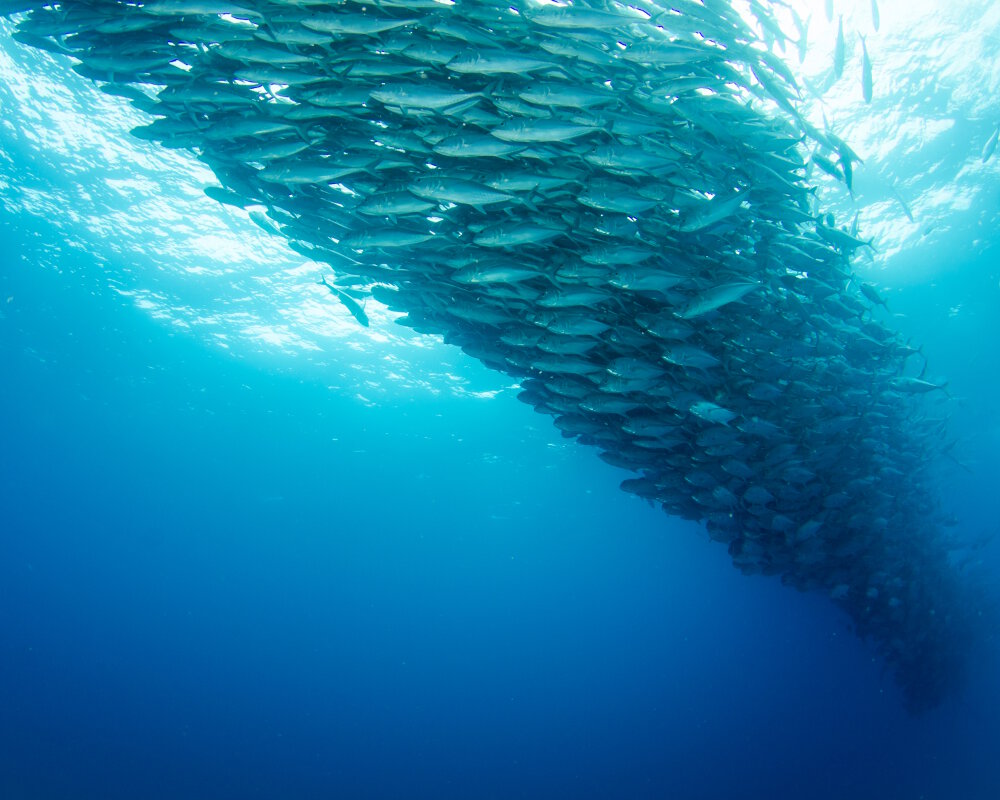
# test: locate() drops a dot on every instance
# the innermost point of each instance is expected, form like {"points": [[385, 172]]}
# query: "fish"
{"points": [[614, 196], [712, 412], [686, 355], [825, 164], [612, 207], [644, 279], [394, 204], [497, 62], [353, 24], [264, 222], [226, 196], [991, 145], [712, 212], [300, 173], [866, 72], [873, 295], [495, 272], [839, 50], [716, 297], [541, 130], [903, 204], [418, 96], [577, 19], [456, 190], [802, 26], [567, 297], [382, 238], [876, 20], [172, 8], [917, 385], [559, 96], [475, 146], [841, 239], [511, 235], [348, 302]]}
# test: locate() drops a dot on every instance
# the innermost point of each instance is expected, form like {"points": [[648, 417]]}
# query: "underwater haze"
{"points": [[253, 548]]}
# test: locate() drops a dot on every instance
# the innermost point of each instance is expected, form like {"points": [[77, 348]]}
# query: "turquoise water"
{"points": [[251, 549]]}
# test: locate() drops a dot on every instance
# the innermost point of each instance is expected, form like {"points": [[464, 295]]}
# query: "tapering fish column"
{"points": [[605, 201]]}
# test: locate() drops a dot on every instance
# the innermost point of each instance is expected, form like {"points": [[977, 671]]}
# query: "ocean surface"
{"points": [[251, 549]]}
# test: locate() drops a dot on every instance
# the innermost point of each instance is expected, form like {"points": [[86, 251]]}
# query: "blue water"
{"points": [[221, 581], [220, 578]]}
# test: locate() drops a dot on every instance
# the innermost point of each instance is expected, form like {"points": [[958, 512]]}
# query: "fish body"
{"points": [[349, 302], [575, 19], [618, 255], [497, 272], [411, 95], [513, 235], [568, 298], [713, 212], [392, 204], [341, 24], [991, 145], [300, 173], [376, 239], [717, 297], [916, 385], [839, 50], [620, 198], [455, 190], [645, 279], [246, 127], [171, 8], [866, 72], [712, 412], [872, 294], [475, 146], [685, 355], [803, 30], [541, 130], [497, 62], [558, 95]]}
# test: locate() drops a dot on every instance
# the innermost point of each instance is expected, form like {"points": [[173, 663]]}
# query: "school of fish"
{"points": [[608, 202]]}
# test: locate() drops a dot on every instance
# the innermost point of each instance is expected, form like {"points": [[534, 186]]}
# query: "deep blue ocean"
{"points": [[234, 570]]}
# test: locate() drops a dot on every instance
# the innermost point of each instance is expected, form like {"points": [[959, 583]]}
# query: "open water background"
{"points": [[244, 555]]}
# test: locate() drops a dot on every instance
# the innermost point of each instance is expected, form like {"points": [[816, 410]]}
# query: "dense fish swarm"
{"points": [[608, 202]]}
